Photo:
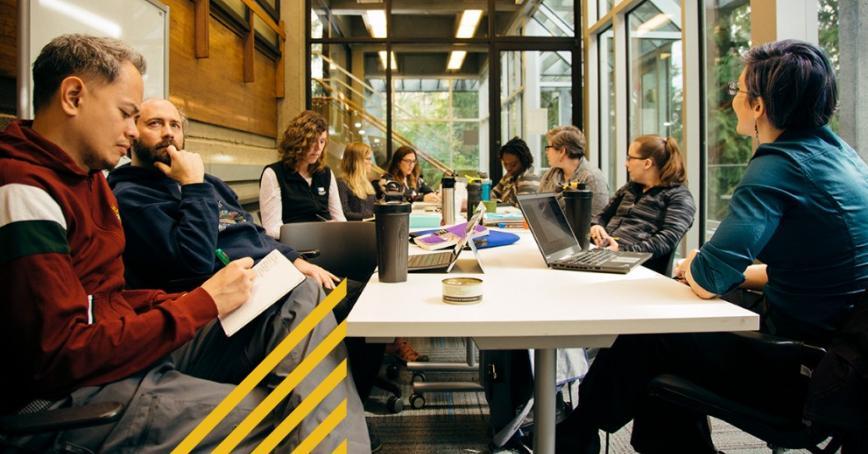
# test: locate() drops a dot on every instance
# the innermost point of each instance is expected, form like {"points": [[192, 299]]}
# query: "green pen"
{"points": [[222, 256]]}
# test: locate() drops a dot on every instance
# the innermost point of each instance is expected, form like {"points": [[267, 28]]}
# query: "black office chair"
{"points": [[346, 249], [37, 418], [662, 264], [778, 430]]}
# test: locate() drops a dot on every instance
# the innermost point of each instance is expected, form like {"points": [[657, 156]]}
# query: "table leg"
{"points": [[545, 369]]}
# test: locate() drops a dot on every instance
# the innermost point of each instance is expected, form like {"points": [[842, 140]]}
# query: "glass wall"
{"points": [[655, 70], [552, 18], [435, 98], [727, 37], [607, 148], [535, 96], [827, 19]]}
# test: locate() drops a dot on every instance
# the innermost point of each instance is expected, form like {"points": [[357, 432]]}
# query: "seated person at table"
{"points": [[73, 332], [300, 187], [802, 180], [404, 169], [519, 177], [356, 191], [565, 151], [175, 217], [654, 210]]}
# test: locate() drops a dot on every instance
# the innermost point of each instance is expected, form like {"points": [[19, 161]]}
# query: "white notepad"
{"points": [[275, 277]]}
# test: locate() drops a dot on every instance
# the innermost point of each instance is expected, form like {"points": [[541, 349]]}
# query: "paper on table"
{"points": [[275, 277]]}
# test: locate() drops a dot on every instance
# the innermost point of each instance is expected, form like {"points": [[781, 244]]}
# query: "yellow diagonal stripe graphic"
{"points": [[326, 427], [243, 389], [282, 390], [341, 449], [304, 408]]}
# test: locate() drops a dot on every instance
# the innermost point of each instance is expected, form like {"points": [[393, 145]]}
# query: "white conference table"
{"points": [[527, 305]]}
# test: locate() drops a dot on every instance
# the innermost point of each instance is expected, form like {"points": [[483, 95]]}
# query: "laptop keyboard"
{"points": [[429, 260], [593, 257]]}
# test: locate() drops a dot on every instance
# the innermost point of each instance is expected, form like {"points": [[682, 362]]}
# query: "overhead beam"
{"points": [[201, 23]]}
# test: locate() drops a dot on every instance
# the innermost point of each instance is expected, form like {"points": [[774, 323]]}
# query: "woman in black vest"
{"points": [[299, 187], [404, 168]]}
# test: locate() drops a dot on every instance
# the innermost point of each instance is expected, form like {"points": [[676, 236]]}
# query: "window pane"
{"points": [[535, 96], [438, 111], [828, 34], [352, 101], [655, 70], [606, 67], [549, 18], [603, 7], [727, 37]]}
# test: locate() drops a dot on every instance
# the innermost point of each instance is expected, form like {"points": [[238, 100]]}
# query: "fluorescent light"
{"points": [[88, 18], [382, 54], [456, 59], [375, 19], [357, 124], [652, 24], [468, 23]]}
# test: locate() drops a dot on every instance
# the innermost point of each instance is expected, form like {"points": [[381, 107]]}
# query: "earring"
{"points": [[755, 132]]}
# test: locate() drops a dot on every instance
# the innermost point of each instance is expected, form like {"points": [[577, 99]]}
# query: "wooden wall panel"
{"points": [[211, 89], [8, 34]]}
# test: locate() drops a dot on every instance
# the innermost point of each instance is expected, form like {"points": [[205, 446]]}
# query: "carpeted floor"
{"points": [[457, 423]]}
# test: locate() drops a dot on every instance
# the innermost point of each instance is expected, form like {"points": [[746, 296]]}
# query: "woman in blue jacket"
{"points": [[800, 209]]}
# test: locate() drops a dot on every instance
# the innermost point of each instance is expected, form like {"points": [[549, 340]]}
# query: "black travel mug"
{"points": [[474, 196], [393, 230], [578, 210]]}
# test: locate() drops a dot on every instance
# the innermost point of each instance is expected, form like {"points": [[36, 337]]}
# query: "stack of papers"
{"points": [[507, 216]]}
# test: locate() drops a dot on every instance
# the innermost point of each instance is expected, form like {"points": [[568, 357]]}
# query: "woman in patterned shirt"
{"points": [[519, 178], [654, 210]]}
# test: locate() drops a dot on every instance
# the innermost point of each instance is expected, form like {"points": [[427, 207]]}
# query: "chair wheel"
{"points": [[395, 404], [418, 376], [417, 401], [392, 371]]}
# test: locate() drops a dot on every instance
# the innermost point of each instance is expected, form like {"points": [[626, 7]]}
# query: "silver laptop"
{"points": [[558, 245], [445, 260]]}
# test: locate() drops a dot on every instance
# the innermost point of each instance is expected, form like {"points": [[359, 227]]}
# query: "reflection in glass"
{"points": [[535, 96], [655, 70], [608, 151], [727, 37], [550, 18]]}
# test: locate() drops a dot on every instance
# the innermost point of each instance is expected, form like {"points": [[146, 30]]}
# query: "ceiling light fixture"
{"points": [[375, 21], [382, 54], [468, 23], [456, 59]]}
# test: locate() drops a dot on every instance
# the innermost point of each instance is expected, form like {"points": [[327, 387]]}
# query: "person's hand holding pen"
{"points": [[231, 286]]}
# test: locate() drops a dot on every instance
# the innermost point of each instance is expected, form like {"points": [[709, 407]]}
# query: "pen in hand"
{"points": [[224, 259]]}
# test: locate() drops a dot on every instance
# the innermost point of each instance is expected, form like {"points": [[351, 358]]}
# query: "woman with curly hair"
{"points": [[519, 177], [300, 187]]}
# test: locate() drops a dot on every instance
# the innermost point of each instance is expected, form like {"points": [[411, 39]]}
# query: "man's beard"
{"points": [[150, 155]]}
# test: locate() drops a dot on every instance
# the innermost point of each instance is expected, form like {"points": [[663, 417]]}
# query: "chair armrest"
{"points": [[61, 418], [779, 348], [308, 254]]}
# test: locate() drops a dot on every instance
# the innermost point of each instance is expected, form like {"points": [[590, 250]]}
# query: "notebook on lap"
{"points": [[445, 260], [558, 245]]}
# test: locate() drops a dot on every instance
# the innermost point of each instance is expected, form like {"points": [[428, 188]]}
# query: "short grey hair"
{"points": [[569, 137], [82, 55]]}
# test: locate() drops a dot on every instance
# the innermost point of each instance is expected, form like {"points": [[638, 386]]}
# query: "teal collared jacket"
{"points": [[801, 208]]}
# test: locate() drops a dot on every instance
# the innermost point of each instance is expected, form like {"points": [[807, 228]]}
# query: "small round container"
{"points": [[462, 290]]}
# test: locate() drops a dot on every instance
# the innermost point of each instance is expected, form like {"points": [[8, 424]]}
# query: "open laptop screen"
{"points": [[548, 222]]}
